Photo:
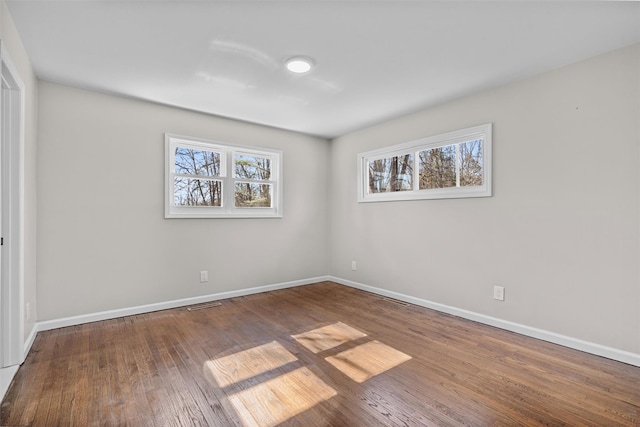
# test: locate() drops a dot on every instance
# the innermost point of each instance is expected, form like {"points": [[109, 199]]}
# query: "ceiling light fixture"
{"points": [[299, 64]]}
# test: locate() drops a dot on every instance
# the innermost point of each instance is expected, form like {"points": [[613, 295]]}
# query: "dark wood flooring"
{"points": [[154, 370]]}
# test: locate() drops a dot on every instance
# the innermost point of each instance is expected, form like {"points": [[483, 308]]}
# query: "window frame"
{"points": [[227, 177], [414, 147]]}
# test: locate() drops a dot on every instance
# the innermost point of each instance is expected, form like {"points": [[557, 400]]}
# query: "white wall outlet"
{"points": [[354, 267], [498, 293], [27, 311], [204, 276]]}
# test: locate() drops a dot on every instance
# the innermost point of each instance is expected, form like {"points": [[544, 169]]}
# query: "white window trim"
{"points": [[455, 137], [228, 209]]}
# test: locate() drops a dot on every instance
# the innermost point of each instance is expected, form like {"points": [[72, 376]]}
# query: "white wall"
{"points": [[561, 232], [103, 242], [12, 43]]}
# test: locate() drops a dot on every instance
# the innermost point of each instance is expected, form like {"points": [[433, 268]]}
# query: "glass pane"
{"points": [[438, 167], [197, 162], [470, 153], [391, 174], [197, 192], [250, 195], [252, 167]]}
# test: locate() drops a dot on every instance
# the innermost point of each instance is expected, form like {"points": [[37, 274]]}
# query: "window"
{"points": [[206, 179], [452, 165]]}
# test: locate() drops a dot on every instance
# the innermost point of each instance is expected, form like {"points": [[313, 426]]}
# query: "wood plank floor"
{"points": [[316, 355]]}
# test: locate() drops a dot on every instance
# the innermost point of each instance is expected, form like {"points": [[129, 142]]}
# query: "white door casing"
{"points": [[11, 213]]}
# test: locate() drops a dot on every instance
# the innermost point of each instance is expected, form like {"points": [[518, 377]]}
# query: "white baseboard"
{"points": [[7, 374], [575, 343], [29, 341], [112, 314]]}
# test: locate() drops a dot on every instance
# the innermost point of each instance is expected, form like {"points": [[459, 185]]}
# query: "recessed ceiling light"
{"points": [[299, 64]]}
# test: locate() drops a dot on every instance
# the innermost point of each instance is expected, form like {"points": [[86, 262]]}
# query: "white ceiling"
{"points": [[375, 60]]}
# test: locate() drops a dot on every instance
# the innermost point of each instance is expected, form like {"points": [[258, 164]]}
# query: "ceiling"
{"points": [[375, 60]]}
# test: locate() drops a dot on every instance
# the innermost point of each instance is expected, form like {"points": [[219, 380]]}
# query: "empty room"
{"points": [[319, 213]]}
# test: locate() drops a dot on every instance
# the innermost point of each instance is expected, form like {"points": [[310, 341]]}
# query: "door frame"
{"points": [[12, 105]]}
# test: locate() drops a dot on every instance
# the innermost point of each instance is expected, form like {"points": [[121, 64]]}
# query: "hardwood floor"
{"points": [[316, 355]]}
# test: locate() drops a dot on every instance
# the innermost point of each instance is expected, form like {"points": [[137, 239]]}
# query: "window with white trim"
{"points": [[208, 179], [452, 165]]}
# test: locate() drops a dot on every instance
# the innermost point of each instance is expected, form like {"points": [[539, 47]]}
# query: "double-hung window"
{"points": [[452, 165], [208, 179]]}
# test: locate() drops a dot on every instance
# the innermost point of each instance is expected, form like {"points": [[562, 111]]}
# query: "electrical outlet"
{"points": [[498, 293], [204, 276], [27, 311], [354, 267]]}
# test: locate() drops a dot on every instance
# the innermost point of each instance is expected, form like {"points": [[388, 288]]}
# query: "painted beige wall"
{"points": [[103, 242], [13, 44], [561, 232]]}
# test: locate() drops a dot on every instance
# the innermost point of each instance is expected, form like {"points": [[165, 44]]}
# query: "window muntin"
{"points": [[199, 183], [456, 165], [452, 165], [194, 170]]}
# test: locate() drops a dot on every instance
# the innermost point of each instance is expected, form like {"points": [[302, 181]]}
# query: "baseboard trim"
{"points": [[29, 341], [566, 341], [575, 343], [147, 308]]}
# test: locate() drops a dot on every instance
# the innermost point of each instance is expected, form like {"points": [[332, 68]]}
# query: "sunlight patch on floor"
{"points": [[292, 389], [275, 401], [327, 337], [240, 366], [367, 360]]}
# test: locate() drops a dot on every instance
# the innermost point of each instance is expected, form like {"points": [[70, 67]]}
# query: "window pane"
{"points": [[391, 174], [197, 192], [197, 162], [470, 163], [252, 167], [249, 195], [438, 167]]}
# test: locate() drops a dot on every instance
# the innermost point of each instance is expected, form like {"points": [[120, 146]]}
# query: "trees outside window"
{"points": [[201, 184], [190, 191], [252, 174], [452, 165], [391, 174]]}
